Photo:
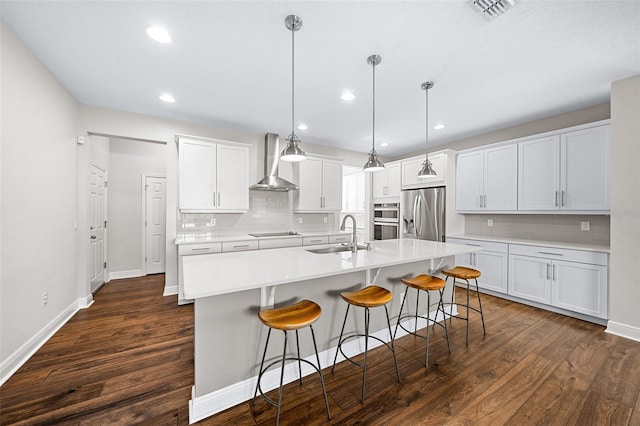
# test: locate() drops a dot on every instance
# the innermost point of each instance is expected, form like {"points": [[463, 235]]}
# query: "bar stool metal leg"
{"points": [[284, 358], [393, 348], [339, 348], [366, 350], [484, 331], [324, 391]]}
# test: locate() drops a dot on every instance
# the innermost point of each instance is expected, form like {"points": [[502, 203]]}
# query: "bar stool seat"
{"points": [[424, 283], [369, 297], [290, 318], [466, 274]]}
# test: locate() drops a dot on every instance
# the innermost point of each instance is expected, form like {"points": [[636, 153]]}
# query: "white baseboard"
{"points": [[10, 365], [170, 290], [623, 330], [214, 402], [115, 275]]}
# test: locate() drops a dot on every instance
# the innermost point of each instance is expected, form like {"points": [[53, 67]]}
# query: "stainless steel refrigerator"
{"points": [[423, 213]]}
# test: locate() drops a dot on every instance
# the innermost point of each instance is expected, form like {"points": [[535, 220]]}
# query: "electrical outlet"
{"points": [[585, 225], [212, 222], [45, 299], [325, 219], [300, 220], [489, 222]]}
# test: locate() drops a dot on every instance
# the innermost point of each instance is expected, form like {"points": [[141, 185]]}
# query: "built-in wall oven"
{"points": [[386, 218]]}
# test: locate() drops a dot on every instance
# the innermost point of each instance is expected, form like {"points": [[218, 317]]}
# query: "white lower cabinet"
{"points": [[491, 262], [575, 280]]}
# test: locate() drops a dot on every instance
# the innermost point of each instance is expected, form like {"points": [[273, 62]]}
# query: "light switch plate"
{"points": [[585, 225], [489, 222]]}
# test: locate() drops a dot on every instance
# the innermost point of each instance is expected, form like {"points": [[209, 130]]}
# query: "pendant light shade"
{"points": [[292, 152], [427, 169], [373, 164]]}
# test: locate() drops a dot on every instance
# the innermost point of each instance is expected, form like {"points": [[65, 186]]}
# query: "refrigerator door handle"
{"points": [[416, 224]]}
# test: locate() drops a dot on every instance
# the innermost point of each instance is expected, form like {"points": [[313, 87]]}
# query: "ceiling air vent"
{"points": [[491, 9]]}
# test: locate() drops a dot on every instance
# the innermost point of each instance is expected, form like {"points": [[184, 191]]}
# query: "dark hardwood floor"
{"points": [[128, 359]]}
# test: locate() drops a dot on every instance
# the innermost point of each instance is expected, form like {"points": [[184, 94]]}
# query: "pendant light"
{"points": [[292, 152], [427, 169], [373, 164]]}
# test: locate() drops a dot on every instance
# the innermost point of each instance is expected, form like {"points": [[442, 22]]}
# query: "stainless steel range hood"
{"points": [[271, 181]]}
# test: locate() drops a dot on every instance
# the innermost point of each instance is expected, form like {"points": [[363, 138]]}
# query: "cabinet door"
{"points": [[197, 171], [233, 178], [529, 278], [410, 169], [584, 171], [493, 267], [393, 180], [580, 287], [469, 186], [438, 165], [309, 196], [332, 185], [380, 183], [539, 174], [500, 178]]}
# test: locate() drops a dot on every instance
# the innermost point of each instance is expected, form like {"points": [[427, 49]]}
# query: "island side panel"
{"points": [[229, 337]]}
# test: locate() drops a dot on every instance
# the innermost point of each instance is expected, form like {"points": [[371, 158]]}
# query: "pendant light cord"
{"points": [[293, 74], [373, 134], [426, 129]]}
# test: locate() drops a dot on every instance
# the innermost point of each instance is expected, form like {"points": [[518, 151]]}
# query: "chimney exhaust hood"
{"points": [[271, 181]]}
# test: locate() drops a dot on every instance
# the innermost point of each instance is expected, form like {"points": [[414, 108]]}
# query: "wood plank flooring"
{"points": [[128, 359]]}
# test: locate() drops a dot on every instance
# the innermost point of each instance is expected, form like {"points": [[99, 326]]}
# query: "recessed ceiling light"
{"points": [[347, 96], [167, 98], [439, 126], [159, 34], [384, 144], [302, 126]]}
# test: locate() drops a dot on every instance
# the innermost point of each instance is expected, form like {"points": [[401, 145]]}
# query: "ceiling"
{"points": [[229, 63]]}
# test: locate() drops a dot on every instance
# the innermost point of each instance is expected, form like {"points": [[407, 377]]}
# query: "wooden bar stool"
{"points": [[292, 317], [424, 283], [464, 273], [368, 297]]}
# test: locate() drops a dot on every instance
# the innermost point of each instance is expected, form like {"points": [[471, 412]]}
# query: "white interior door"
{"points": [[97, 226], [155, 224]]}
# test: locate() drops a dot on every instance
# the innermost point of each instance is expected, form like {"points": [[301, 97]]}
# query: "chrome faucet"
{"points": [[354, 243]]}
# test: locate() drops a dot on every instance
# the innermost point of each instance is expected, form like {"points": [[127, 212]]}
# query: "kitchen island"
{"points": [[230, 288]]}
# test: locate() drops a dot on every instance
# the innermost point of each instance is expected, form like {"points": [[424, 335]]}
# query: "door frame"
{"points": [[143, 201], [105, 251]]}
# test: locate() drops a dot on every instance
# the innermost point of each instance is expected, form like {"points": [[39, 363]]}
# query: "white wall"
{"points": [[39, 119], [128, 160], [624, 285]]}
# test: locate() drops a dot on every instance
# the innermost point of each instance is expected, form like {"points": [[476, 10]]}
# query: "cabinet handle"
{"points": [[473, 245], [214, 199], [556, 198], [241, 246], [547, 273], [553, 269], [550, 253], [481, 206], [219, 200], [201, 249], [564, 198], [485, 201]]}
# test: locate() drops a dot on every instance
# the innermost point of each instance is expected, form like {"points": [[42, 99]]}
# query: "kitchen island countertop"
{"points": [[215, 274]]}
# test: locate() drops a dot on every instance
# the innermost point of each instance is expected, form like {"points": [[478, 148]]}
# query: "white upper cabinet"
{"points": [[569, 171], [486, 180], [214, 177], [412, 166], [320, 182], [386, 183], [584, 169]]}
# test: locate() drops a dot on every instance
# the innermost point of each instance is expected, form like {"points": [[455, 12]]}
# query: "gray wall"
{"points": [[38, 197], [624, 285]]}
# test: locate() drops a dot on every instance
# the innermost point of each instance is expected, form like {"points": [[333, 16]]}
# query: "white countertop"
{"points": [[213, 274], [537, 243], [193, 238]]}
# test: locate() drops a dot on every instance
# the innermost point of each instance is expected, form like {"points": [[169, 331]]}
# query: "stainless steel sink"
{"points": [[334, 249]]}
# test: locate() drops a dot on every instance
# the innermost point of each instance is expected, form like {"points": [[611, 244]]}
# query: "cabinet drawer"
{"points": [[200, 248], [569, 255], [309, 241], [485, 245], [239, 245], [280, 242], [335, 239]]}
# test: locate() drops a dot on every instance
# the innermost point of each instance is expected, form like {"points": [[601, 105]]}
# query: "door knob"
{"points": [[93, 237]]}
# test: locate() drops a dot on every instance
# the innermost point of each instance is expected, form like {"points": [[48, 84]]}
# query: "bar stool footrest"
{"points": [[430, 322], [353, 336], [279, 362]]}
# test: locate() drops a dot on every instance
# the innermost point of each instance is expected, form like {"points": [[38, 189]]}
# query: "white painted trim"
{"points": [[170, 290], [214, 402], [125, 274], [85, 302], [623, 330], [17, 359]]}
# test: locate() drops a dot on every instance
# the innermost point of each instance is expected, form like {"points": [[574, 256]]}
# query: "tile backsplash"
{"points": [[560, 228], [269, 211]]}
